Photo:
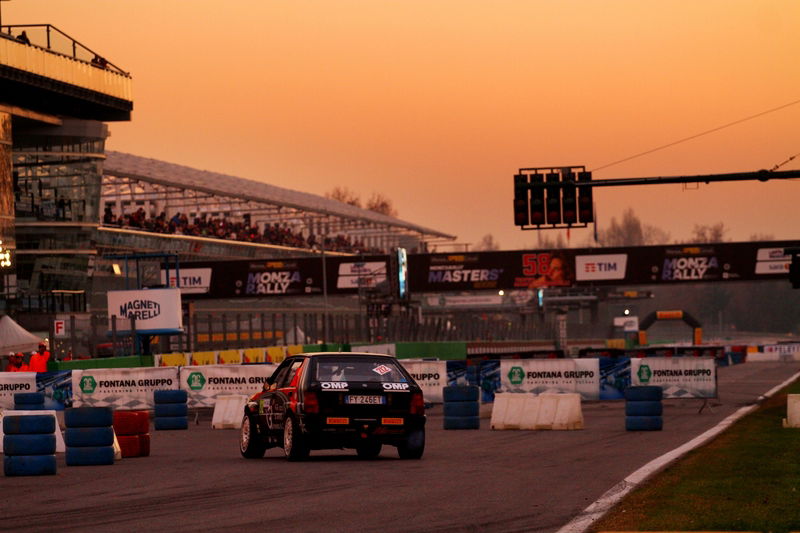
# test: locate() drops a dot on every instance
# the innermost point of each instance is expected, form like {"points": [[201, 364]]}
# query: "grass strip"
{"points": [[747, 479]]}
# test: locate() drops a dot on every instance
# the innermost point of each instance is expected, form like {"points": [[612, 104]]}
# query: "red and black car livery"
{"points": [[336, 400]]}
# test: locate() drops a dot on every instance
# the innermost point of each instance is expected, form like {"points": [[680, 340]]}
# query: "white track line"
{"points": [[581, 523]]}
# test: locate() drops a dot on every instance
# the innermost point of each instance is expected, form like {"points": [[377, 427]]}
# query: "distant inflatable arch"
{"points": [[650, 319]]}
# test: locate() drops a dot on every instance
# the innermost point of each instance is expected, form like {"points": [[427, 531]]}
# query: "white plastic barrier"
{"points": [[545, 411], [792, 419], [60, 446], [228, 411]]}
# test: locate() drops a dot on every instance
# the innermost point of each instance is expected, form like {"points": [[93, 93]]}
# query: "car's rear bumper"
{"points": [[329, 431]]}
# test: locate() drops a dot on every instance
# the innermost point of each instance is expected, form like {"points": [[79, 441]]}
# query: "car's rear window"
{"points": [[359, 369]]}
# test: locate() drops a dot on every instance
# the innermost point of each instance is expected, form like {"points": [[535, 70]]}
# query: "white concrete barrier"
{"points": [[792, 419], [228, 411], [545, 411]]}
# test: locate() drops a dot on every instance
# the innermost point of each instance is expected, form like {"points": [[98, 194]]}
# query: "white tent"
{"points": [[15, 338]]}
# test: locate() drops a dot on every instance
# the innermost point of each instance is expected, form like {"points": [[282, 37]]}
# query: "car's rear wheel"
{"points": [[369, 449], [251, 444], [294, 446], [413, 446]]}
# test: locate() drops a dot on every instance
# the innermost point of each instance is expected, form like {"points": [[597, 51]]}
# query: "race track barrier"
{"points": [[545, 411], [89, 436], [792, 419], [228, 411], [29, 444]]}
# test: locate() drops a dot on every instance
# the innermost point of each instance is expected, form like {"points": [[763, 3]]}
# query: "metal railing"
{"points": [[55, 41]]}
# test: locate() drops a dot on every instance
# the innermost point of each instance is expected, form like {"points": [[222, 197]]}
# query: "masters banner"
{"points": [[204, 383], [551, 375], [680, 377], [121, 388]]}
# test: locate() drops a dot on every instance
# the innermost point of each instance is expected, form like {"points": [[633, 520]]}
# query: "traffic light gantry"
{"points": [[553, 197]]}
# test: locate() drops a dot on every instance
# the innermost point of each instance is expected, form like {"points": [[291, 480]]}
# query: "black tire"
{"points": [[462, 422], [294, 446], [83, 437], [649, 408], [251, 444], [90, 455], [644, 423], [30, 407], [88, 417], [29, 465], [170, 422], [28, 398], [461, 393], [38, 444], [413, 446], [28, 424], [369, 449], [170, 396], [462, 409], [645, 393], [171, 409]]}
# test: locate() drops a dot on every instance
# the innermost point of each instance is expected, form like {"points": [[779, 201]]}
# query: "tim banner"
{"points": [[680, 377], [537, 376], [121, 388], [154, 310], [13, 382], [431, 376], [204, 383]]}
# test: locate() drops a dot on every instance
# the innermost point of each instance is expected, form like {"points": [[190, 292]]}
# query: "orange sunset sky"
{"points": [[436, 104]]}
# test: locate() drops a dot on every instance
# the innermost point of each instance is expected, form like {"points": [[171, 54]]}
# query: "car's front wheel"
{"points": [[413, 446], [251, 445], [294, 446]]}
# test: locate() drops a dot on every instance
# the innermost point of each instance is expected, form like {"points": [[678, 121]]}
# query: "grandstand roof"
{"points": [[170, 175]]}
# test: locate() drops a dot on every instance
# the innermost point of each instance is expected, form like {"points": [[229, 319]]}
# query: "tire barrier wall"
{"points": [[228, 411], [171, 411], [461, 407], [133, 433], [89, 436], [29, 444], [25, 414], [643, 408], [545, 411], [29, 401]]}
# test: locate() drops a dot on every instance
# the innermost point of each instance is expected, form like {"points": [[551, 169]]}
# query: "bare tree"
{"points": [[487, 244], [549, 243], [705, 234], [762, 237], [344, 195], [380, 204], [631, 232]]}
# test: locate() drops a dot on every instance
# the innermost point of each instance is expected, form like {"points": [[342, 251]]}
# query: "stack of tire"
{"points": [[29, 401], [29, 445], [89, 436], [132, 429], [643, 408], [171, 411], [462, 407]]}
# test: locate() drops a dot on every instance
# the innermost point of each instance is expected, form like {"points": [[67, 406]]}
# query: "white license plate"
{"points": [[362, 399]]}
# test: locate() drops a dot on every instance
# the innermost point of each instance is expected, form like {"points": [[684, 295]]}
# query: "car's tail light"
{"points": [[310, 402], [417, 404]]}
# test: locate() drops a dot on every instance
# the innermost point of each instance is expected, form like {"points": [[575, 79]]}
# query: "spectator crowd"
{"points": [[222, 228]]}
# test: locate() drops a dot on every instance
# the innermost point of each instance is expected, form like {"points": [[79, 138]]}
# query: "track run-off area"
{"points": [[468, 480]]}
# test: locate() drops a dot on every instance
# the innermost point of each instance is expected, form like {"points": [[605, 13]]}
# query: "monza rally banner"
{"points": [[204, 383], [538, 376], [13, 382], [679, 377], [121, 388]]}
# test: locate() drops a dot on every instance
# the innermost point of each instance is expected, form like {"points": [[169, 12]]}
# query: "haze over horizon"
{"points": [[436, 105]]}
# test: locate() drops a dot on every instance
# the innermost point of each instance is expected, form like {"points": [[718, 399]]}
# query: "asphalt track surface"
{"points": [[484, 480]]}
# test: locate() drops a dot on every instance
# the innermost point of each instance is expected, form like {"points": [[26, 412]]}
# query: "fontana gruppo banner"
{"points": [[680, 377], [13, 382], [121, 388], [538, 376], [204, 383]]}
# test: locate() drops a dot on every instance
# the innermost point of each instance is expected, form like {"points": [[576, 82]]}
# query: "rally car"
{"points": [[339, 400]]}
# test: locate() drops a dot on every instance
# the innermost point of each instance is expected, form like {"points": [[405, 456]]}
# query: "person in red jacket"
{"points": [[15, 363], [39, 359]]}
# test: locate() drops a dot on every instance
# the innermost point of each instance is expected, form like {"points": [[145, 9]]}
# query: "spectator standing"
{"points": [[15, 363], [39, 359]]}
